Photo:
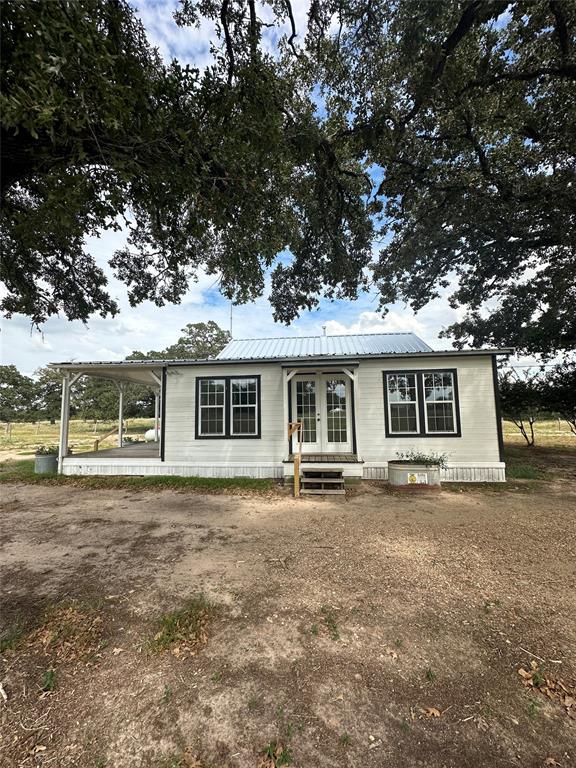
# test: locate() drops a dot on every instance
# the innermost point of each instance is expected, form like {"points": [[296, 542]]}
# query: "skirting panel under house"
{"points": [[76, 465]]}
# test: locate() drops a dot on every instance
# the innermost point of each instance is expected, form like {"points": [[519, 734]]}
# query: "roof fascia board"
{"points": [[291, 362]]}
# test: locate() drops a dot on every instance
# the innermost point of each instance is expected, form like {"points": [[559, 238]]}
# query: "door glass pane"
{"points": [[306, 409], [336, 411]]}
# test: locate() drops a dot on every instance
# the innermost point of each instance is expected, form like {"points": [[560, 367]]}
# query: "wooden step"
{"points": [[323, 482], [324, 491], [305, 479]]}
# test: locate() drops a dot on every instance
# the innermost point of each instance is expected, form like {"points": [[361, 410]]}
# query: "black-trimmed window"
{"points": [[421, 403], [228, 407]]}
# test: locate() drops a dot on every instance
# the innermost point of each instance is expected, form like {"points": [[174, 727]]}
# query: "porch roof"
{"points": [[123, 371]]}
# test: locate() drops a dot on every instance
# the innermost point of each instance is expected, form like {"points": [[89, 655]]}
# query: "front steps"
{"points": [[322, 481]]}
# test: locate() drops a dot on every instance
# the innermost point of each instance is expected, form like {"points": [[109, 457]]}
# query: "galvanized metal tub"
{"points": [[45, 464], [408, 474]]}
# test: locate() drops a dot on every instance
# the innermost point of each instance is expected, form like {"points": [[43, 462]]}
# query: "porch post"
{"points": [[64, 421], [355, 401], [285, 430], [120, 413], [156, 414]]}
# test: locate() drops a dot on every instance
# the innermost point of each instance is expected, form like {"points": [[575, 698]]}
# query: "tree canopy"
{"points": [[401, 146]]}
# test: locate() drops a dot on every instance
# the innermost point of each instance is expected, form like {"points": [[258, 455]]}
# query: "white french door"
{"points": [[322, 402]]}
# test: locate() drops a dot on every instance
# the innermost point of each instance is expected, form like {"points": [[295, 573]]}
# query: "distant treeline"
{"points": [[530, 396], [37, 398]]}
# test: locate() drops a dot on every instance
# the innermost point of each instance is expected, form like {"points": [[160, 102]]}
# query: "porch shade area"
{"points": [[149, 373]]}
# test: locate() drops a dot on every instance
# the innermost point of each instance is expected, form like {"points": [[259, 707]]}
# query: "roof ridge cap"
{"points": [[326, 336]]}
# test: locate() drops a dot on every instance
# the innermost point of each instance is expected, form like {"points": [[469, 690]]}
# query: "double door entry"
{"points": [[322, 402]]}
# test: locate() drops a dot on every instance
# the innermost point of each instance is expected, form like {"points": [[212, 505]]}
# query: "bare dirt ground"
{"points": [[376, 630]]}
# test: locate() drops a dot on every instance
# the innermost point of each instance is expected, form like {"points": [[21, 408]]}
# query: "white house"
{"points": [[361, 399]]}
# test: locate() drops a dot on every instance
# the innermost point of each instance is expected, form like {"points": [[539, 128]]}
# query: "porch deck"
{"points": [[129, 451], [326, 458]]}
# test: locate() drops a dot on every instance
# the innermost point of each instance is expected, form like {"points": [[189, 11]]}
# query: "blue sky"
{"points": [[149, 327]]}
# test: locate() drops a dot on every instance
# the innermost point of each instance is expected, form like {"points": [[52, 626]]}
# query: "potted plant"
{"points": [[46, 459], [416, 469]]}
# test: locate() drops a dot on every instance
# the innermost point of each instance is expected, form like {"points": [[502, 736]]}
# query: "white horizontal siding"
{"points": [[479, 440], [180, 442]]}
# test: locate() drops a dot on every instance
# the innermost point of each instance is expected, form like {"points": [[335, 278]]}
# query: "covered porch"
{"points": [[148, 373], [140, 450], [323, 398]]}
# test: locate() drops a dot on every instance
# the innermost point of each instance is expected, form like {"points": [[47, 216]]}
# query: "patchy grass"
{"points": [[23, 472], [277, 754], [48, 680], [430, 675], [185, 630], [330, 622], [10, 639], [524, 472]]}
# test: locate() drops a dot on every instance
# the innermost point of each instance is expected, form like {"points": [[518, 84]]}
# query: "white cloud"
{"points": [[372, 322]]}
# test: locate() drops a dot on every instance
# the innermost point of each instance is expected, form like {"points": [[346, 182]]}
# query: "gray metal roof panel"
{"points": [[292, 347]]}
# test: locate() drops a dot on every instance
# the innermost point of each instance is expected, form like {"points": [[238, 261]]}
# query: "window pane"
{"points": [[438, 387], [336, 410], [440, 417], [402, 387], [211, 421], [306, 409], [244, 420], [403, 417], [212, 391], [244, 391]]}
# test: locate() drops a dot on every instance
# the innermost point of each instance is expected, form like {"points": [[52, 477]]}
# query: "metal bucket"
{"points": [[46, 464], [407, 474]]}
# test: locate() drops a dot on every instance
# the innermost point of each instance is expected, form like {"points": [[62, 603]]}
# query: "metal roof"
{"points": [[294, 347]]}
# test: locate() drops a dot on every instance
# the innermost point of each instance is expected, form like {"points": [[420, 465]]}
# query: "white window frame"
{"points": [[403, 402], [255, 406], [222, 407], [428, 402]]}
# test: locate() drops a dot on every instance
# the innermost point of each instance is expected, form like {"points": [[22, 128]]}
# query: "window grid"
{"points": [[212, 394], [422, 403], [336, 411], [402, 403], [228, 407], [306, 409], [440, 404], [244, 404]]}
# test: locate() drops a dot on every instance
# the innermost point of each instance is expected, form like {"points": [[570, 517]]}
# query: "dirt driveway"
{"points": [[375, 630]]}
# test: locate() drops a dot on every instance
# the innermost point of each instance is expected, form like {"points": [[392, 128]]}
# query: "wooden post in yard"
{"points": [[296, 426]]}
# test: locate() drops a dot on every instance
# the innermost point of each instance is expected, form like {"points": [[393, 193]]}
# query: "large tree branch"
{"points": [[564, 70], [465, 24], [293, 34], [227, 38], [560, 27]]}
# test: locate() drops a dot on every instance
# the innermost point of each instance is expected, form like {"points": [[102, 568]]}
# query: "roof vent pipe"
{"points": [[323, 330]]}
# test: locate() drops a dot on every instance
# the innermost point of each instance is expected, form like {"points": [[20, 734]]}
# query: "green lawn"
{"points": [[23, 472]]}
